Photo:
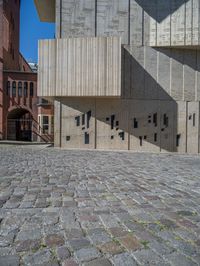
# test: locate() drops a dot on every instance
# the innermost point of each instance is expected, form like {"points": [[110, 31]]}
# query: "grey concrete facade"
{"points": [[160, 71]]}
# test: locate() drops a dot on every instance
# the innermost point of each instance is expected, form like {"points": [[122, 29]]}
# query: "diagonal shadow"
{"points": [[144, 118], [160, 9]]}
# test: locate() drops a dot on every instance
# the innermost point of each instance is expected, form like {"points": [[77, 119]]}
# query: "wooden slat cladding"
{"points": [[80, 67]]}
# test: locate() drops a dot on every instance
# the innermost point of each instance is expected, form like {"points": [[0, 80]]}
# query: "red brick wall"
{"points": [[23, 65], [13, 67], [26, 102], [11, 16]]}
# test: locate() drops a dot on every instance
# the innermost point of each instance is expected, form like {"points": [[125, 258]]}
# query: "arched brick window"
{"points": [[20, 89], [25, 89], [31, 89], [8, 88], [14, 89]]}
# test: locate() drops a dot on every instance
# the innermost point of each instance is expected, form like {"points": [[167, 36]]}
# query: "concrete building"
{"points": [[123, 74], [22, 113]]}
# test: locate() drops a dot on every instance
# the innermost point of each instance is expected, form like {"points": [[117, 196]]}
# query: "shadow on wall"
{"points": [[153, 113], [145, 118], [160, 9]]}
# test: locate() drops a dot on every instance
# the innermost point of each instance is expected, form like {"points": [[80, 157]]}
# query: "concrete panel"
{"points": [[46, 67], [188, 28], [58, 32], [77, 18], [170, 23], [181, 127], [164, 73], [144, 126], [195, 25], [139, 125], [113, 19], [164, 25], [136, 23], [127, 74], [160, 73], [137, 73], [198, 77], [192, 127], [178, 23], [190, 64], [177, 84], [151, 23], [78, 123], [112, 124], [84, 67], [46, 10], [168, 125], [57, 123], [151, 85]]}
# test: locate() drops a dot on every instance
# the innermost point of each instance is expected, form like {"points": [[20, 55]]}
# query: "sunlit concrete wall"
{"points": [[80, 67], [160, 76], [137, 22]]}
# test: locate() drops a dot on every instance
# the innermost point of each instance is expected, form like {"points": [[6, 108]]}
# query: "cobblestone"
{"points": [[70, 208]]}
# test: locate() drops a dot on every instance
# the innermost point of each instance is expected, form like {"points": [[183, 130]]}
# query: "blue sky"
{"points": [[31, 30]]}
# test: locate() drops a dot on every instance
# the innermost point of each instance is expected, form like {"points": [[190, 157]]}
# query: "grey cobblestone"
{"points": [[124, 259], [87, 254], [9, 260], [62, 207]]}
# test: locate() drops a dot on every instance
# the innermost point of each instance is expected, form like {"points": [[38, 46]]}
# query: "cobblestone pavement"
{"points": [[61, 207]]}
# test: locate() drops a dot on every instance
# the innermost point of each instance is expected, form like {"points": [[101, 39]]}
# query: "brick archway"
{"points": [[19, 124]]}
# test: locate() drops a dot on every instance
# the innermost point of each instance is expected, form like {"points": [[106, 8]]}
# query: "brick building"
{"points": [[23, 116]]}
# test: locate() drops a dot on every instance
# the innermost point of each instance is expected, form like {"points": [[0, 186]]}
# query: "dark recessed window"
{"points": [[83, 119], [77, 119], [140, 140], [165, 120], [20, 89], [87, 138], [155, 137], [14, 88], [25, 89], [193, 120], [112, 121], [155, 119], [45, 120], [89, 114], [178, 137], [122, 135], [31, 88], [135, 123], [45, 124]]}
